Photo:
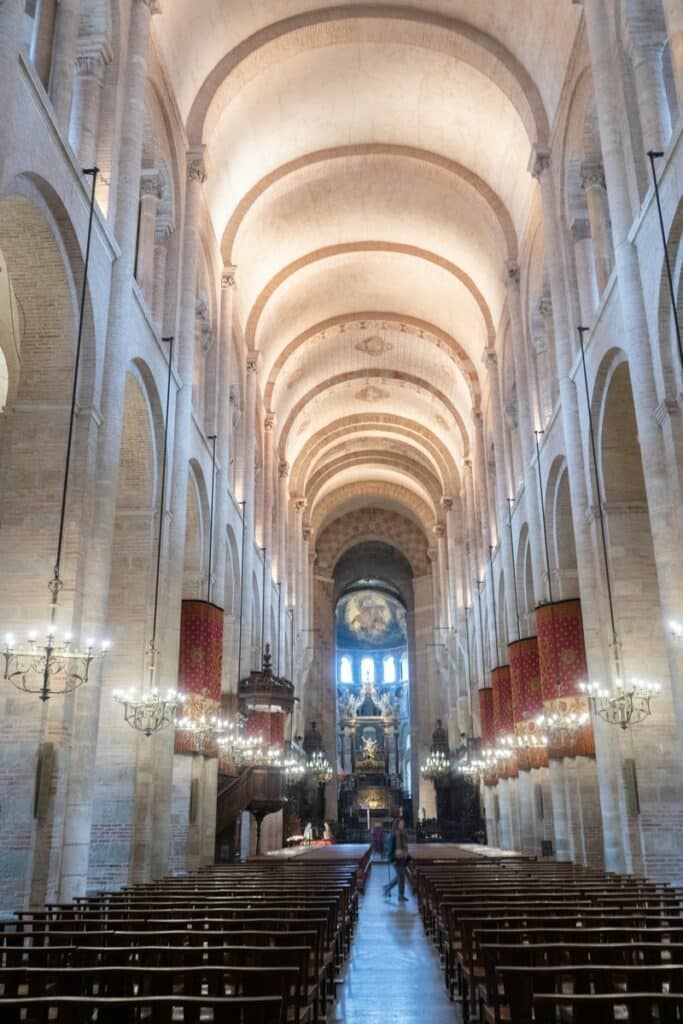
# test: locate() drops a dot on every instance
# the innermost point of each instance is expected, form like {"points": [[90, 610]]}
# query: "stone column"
{"points": [[585, 269], [306, 577], [249, 449], [64, 48], [636, 342], [299, 506], [41, 39], [161, 240], [545, 308], [11, 40], [87, 102], [593, 184], [491, 363], [526, 438], [481, 486], [646, 40], [283, 516], [151, 187], [161, 771], [78, 810], [455, 597], [673, 13], [267, 517], [442, 552], [223, 420], [540, 167]]}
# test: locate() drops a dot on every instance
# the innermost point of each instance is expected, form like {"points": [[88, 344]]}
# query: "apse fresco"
{"points": [[371, 620]]}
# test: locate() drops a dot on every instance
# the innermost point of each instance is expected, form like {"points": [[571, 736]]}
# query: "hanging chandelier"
{"points": [[54, 666], [622, 705], [562, 728], [204, 729], [436, 766], [149, 711], [319, 767], [49, 666]]}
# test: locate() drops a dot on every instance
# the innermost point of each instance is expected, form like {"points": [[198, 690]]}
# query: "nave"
{"points": [[485, 935]]}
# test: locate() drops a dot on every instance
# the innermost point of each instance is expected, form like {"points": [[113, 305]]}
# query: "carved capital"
{"points": [[490, 360], [229, 277], [300, 505], [540, 161], [196, 169], [592, 176], [252, 361], [151, 185], [154, 5], [306, 532], [269, 422], [580, 229], [438, 531], [511, 274], [447, 504], [93, 57], [545, 306], [283, 469]]}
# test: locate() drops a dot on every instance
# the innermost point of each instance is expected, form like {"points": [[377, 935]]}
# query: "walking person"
{"points": [[397, 854]]}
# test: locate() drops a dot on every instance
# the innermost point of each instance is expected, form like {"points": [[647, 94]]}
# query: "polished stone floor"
{"points": [[393, 974]]}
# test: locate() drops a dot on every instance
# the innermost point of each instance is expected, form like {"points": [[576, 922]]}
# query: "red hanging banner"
{"points": [[488, 733], [200, 665], [562, 660], [501, 685], [527, 699]]}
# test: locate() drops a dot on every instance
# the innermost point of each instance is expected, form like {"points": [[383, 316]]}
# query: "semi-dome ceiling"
{"points": [[367, 174]]}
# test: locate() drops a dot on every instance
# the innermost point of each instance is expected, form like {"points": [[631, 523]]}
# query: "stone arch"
{"points": [[324, 509], [372, 524], [423, 438], [426, 331], [562, 543], [388, 23], [372, 373], [42, 266], [330, 251], [489, 197], [130, 604]]}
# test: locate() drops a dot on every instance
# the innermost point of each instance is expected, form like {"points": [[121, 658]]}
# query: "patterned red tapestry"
{"points": [[527, 700], [269, 725], [200, 664], [488, 734], [562, 657], [525, 677], [561, 649], [501, 684]]}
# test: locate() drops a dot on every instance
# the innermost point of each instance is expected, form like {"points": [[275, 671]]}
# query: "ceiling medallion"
{"points": [[371, 393], [373, 345]]}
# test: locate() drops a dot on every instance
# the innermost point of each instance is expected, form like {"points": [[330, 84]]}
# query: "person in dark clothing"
{"points": [[397, 851]]}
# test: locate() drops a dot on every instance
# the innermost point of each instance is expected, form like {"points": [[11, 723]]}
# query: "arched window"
{"points": [[389, 669], [404, 667], [345, 669], [367, 670]]}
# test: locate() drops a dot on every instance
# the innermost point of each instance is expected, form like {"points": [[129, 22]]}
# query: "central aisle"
{"points": [[393, 975]]}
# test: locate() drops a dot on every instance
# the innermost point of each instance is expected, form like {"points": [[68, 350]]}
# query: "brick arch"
{"points": [[369, 149], [371, 374], [431, 333], [376, 457], [370, 491], [335, 25], [370, 246], [364, 421], [372, 524]]}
